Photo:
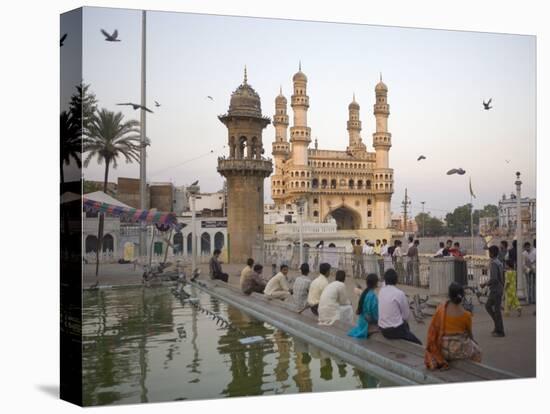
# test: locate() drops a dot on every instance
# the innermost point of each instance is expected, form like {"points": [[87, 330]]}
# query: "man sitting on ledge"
{"points": [[393, 311], [253, 281], [277, 287], [216, 267], [317, 286]]}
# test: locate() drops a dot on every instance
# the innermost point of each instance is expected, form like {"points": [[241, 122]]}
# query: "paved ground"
{"points": [[515, 353]]}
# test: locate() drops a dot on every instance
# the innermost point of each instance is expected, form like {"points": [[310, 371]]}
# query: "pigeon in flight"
{"points": [[195, 183], [135, 106], [157, 104], [507, 161], [486, 104], [62, 39], [422, 157], [458, 171], [109, 37], [209, 97]]}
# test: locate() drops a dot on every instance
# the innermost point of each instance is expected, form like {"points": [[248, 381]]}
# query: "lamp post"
{"points": [[423, 220], [143, 139], [193, 190], [522, 283], [300, 203]]}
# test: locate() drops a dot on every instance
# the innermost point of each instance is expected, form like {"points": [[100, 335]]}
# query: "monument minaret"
{"points": [[281, 149], [354, 128], [383, 175], [245, 170], [300, 137]]}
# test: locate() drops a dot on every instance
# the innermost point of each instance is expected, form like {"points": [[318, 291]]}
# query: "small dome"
{"points": [[280, 98], [353, 104], [245, 101], [299, 76], [381, 87]]}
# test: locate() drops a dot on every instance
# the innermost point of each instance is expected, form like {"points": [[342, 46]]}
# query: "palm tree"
{"points": [[71, 144], [109, 138]]}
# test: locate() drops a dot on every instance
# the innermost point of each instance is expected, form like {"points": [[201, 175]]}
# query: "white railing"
{"points": [[292, 228]]}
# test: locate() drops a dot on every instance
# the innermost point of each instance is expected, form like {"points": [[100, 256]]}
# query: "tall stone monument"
{"points": [[245, 170]]}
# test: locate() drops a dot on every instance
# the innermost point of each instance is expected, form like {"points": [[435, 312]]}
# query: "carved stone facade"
{"points": [[353, 186], [245, 170]]}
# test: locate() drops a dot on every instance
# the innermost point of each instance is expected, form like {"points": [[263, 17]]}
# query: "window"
{"points": [[369, 201], [315, 201], [315, 213], [369, 213]]}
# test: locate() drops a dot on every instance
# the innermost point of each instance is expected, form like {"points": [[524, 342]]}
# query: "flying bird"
{"points": [[157, 104], [486, 104], [458, 171], [209, 97], [507, 161], [109, 37], [195, 183], [135, 106], [62, 39], [422, 157]]}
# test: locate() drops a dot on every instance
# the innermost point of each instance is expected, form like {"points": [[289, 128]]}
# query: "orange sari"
{"points": [[455, 343], [433, 358]]}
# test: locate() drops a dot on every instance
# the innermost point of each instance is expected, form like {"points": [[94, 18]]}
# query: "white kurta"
{"points": [[334, 304]]}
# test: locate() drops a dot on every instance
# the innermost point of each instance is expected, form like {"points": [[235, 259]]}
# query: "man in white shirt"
{"points": [[246, 271], [317, 286], [393, 311], [334, 303], [530, 262], [277, 287]]}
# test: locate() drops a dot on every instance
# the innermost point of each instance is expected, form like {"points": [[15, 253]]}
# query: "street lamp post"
{"points": [[142, 152], [423, 220], [300, 204], [193, 189], [522, 283]]}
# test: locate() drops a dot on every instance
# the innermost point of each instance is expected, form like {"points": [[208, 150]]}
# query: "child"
{"points": [[511, 301]]}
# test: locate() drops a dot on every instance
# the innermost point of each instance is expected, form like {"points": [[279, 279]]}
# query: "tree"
{"points": [[428, 225], [110, 138], [83, 107], [458, 222]]}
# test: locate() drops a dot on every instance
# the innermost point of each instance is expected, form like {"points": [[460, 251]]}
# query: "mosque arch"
{"points": [[346, 218]]}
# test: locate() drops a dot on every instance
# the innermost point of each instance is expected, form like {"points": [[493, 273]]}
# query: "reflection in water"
{"points": [[144, 345]]}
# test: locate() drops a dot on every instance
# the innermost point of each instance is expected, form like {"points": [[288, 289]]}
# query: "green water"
{"points": [[145, 345]]}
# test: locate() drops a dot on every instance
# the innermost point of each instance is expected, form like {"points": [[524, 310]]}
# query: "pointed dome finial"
{"points": [[245, 76], [380, 76], [353, 96], [280, 89], [300, 65]]}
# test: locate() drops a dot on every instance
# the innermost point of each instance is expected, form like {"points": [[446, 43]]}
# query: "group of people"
{"points": [[449, 249]]}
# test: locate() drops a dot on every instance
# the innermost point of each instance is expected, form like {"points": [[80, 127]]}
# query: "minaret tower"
{"points": [[300, 137], [383, 175], [281, 150], [245, 170], [354, 128]]}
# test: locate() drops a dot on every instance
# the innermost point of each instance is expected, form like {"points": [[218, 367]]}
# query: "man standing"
{"points": [[393, 310], [246, 270], [413, 263], [358, 259], [439, 253], [253, 281], [300, 290], [530, 263], [277, 287], [496, 289], [317, 286], [398, 260], [216, 267]]}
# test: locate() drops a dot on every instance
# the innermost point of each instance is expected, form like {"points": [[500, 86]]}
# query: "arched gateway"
{"points": [[346, 218]]}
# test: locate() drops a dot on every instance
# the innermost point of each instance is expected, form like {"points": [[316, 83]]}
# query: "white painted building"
{"points": [[507, 217]]}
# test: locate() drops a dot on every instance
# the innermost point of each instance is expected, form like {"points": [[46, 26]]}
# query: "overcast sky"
{"points": [[437, 81]]}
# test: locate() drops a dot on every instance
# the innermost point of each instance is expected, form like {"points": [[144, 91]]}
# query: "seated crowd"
{"points": [[449, 335]]}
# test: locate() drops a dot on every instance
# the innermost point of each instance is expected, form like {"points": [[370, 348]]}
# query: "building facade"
{"points": [[353, 186], [245, 170], [507, 214]]}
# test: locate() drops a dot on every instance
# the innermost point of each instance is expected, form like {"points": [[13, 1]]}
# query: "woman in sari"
{"points": [[511, 301], [367, 309], [450, 333]]}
